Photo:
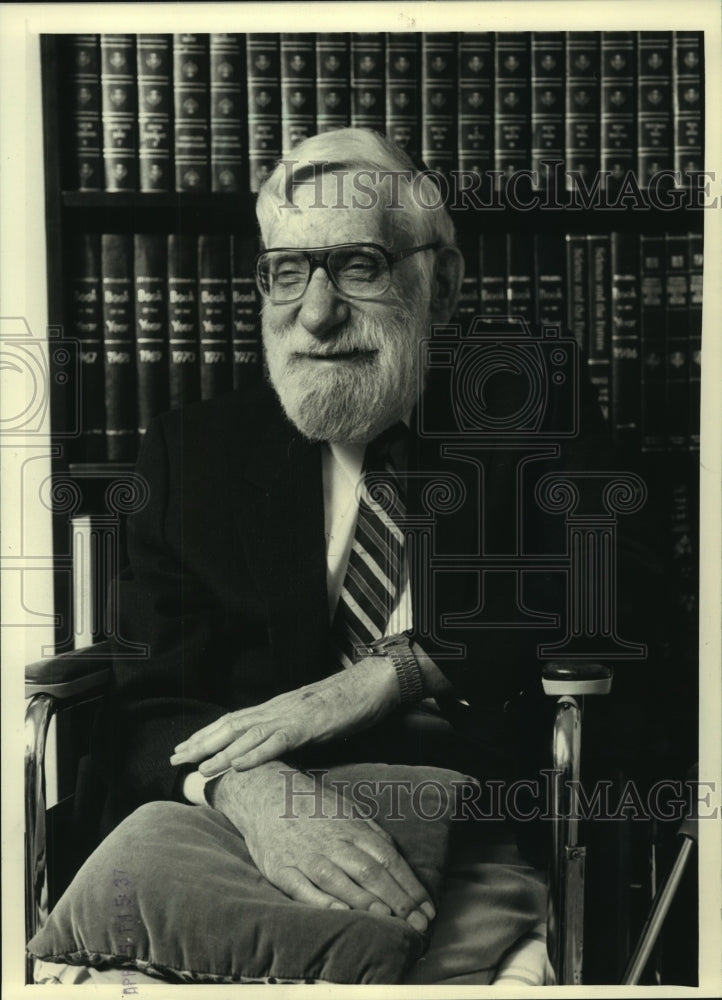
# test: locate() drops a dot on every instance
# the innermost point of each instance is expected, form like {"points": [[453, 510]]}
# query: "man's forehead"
{"points": [[328, 209]]}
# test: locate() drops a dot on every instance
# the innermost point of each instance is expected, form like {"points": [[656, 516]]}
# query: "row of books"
{"points": [[632, 301], [161, 320], [215, 112]]}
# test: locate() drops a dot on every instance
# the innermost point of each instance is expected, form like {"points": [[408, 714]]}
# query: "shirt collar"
{"points": [[350, 456]]}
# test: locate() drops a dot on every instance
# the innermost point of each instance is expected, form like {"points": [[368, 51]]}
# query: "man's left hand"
{"points": [[342, 703]]}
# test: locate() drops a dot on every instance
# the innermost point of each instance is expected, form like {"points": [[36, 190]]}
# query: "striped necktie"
{"points": [[374, 574]]}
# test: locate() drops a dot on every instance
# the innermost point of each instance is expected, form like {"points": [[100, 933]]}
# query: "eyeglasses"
{"points": [[357, 270]]}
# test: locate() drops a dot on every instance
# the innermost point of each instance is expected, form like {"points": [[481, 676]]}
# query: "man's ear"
{"points": [[446, 284]]}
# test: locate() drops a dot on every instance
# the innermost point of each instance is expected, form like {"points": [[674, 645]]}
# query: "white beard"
{"points": [[353, 401]]}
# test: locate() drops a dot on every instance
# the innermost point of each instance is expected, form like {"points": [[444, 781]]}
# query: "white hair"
{"points": [[422, 216]]}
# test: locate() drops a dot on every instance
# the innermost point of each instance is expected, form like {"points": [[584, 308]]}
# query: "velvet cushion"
{"points": [[173, 892]]}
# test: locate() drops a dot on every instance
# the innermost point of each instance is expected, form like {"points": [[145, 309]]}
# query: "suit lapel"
{"points": [[280, 518]]}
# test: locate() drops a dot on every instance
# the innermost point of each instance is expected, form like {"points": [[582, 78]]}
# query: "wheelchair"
{"points": [[66, 691], [619, 861]]}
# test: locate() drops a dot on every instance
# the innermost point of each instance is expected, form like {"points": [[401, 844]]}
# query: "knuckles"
{"points": [[369, 871], [385, 859], [322, 870], [235, 722]]}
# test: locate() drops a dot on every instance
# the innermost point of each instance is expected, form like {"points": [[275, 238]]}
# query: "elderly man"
{"points": [[270, 646], [233, 583]]}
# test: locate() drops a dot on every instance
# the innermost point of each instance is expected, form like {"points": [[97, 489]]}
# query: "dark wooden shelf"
{"points": [[129, 212], [100, 211], [156, 199]]}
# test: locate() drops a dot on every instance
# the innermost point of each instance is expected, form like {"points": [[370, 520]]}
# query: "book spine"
{"points": [[402, 105], [654, 104], [582, 154], [227, 74], [82, 58], [118, 347], [333, 81], [492, 274], [155, 140], [677, 340], [688, 102], [685, 546], [214, 307], [625, 376], [577, 288], [191, 102], [119, 112], [549, 274], [85, 313], [617, 108], [652, 324], [298, 89], [439, 94], [599, 333], [547, 108], [512, 103], [696, 262], [470, 296], [151, 325], [184, 385], [263, 74], [245, 312], [519, 275], [368, 106], [476, 102]]}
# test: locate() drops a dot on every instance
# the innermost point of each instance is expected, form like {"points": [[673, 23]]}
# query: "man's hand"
{"points": [[342, 703], [307, 841]]}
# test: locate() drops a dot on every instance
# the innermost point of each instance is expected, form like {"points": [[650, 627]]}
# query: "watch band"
{"points": [[408, 672]]}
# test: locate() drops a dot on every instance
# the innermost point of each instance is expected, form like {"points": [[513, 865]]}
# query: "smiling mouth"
{"points": [[354, 355]]}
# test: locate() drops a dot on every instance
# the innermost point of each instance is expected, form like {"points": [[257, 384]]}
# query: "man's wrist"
{"points": [[235, 793], [403, 659], [200, 790]]}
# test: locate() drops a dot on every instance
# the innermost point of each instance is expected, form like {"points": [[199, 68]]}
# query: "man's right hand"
{"points": [[311, 846]]}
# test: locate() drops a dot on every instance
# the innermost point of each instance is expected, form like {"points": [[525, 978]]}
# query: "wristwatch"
{"points": [[408, 673]]}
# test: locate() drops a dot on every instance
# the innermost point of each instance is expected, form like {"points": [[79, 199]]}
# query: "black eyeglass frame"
{"points": [[318, 257]]}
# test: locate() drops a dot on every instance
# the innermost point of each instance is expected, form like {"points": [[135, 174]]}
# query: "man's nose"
{"points": [[322, 308]]}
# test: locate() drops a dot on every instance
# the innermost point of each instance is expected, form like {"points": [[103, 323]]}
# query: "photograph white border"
{"points": [[22, 291]]}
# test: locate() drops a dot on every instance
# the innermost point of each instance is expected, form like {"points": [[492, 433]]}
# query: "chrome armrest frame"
{"points": [[38, 715]]}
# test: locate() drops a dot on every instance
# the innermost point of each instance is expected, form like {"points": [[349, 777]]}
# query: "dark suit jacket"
{"points": [[227, 582]]}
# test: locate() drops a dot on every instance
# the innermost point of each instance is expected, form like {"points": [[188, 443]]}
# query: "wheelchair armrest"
{"points": [[79, 671], [575, 679]]}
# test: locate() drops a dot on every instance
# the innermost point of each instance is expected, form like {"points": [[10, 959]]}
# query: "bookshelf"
{"points": [[447, 96], [494, 102]]}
